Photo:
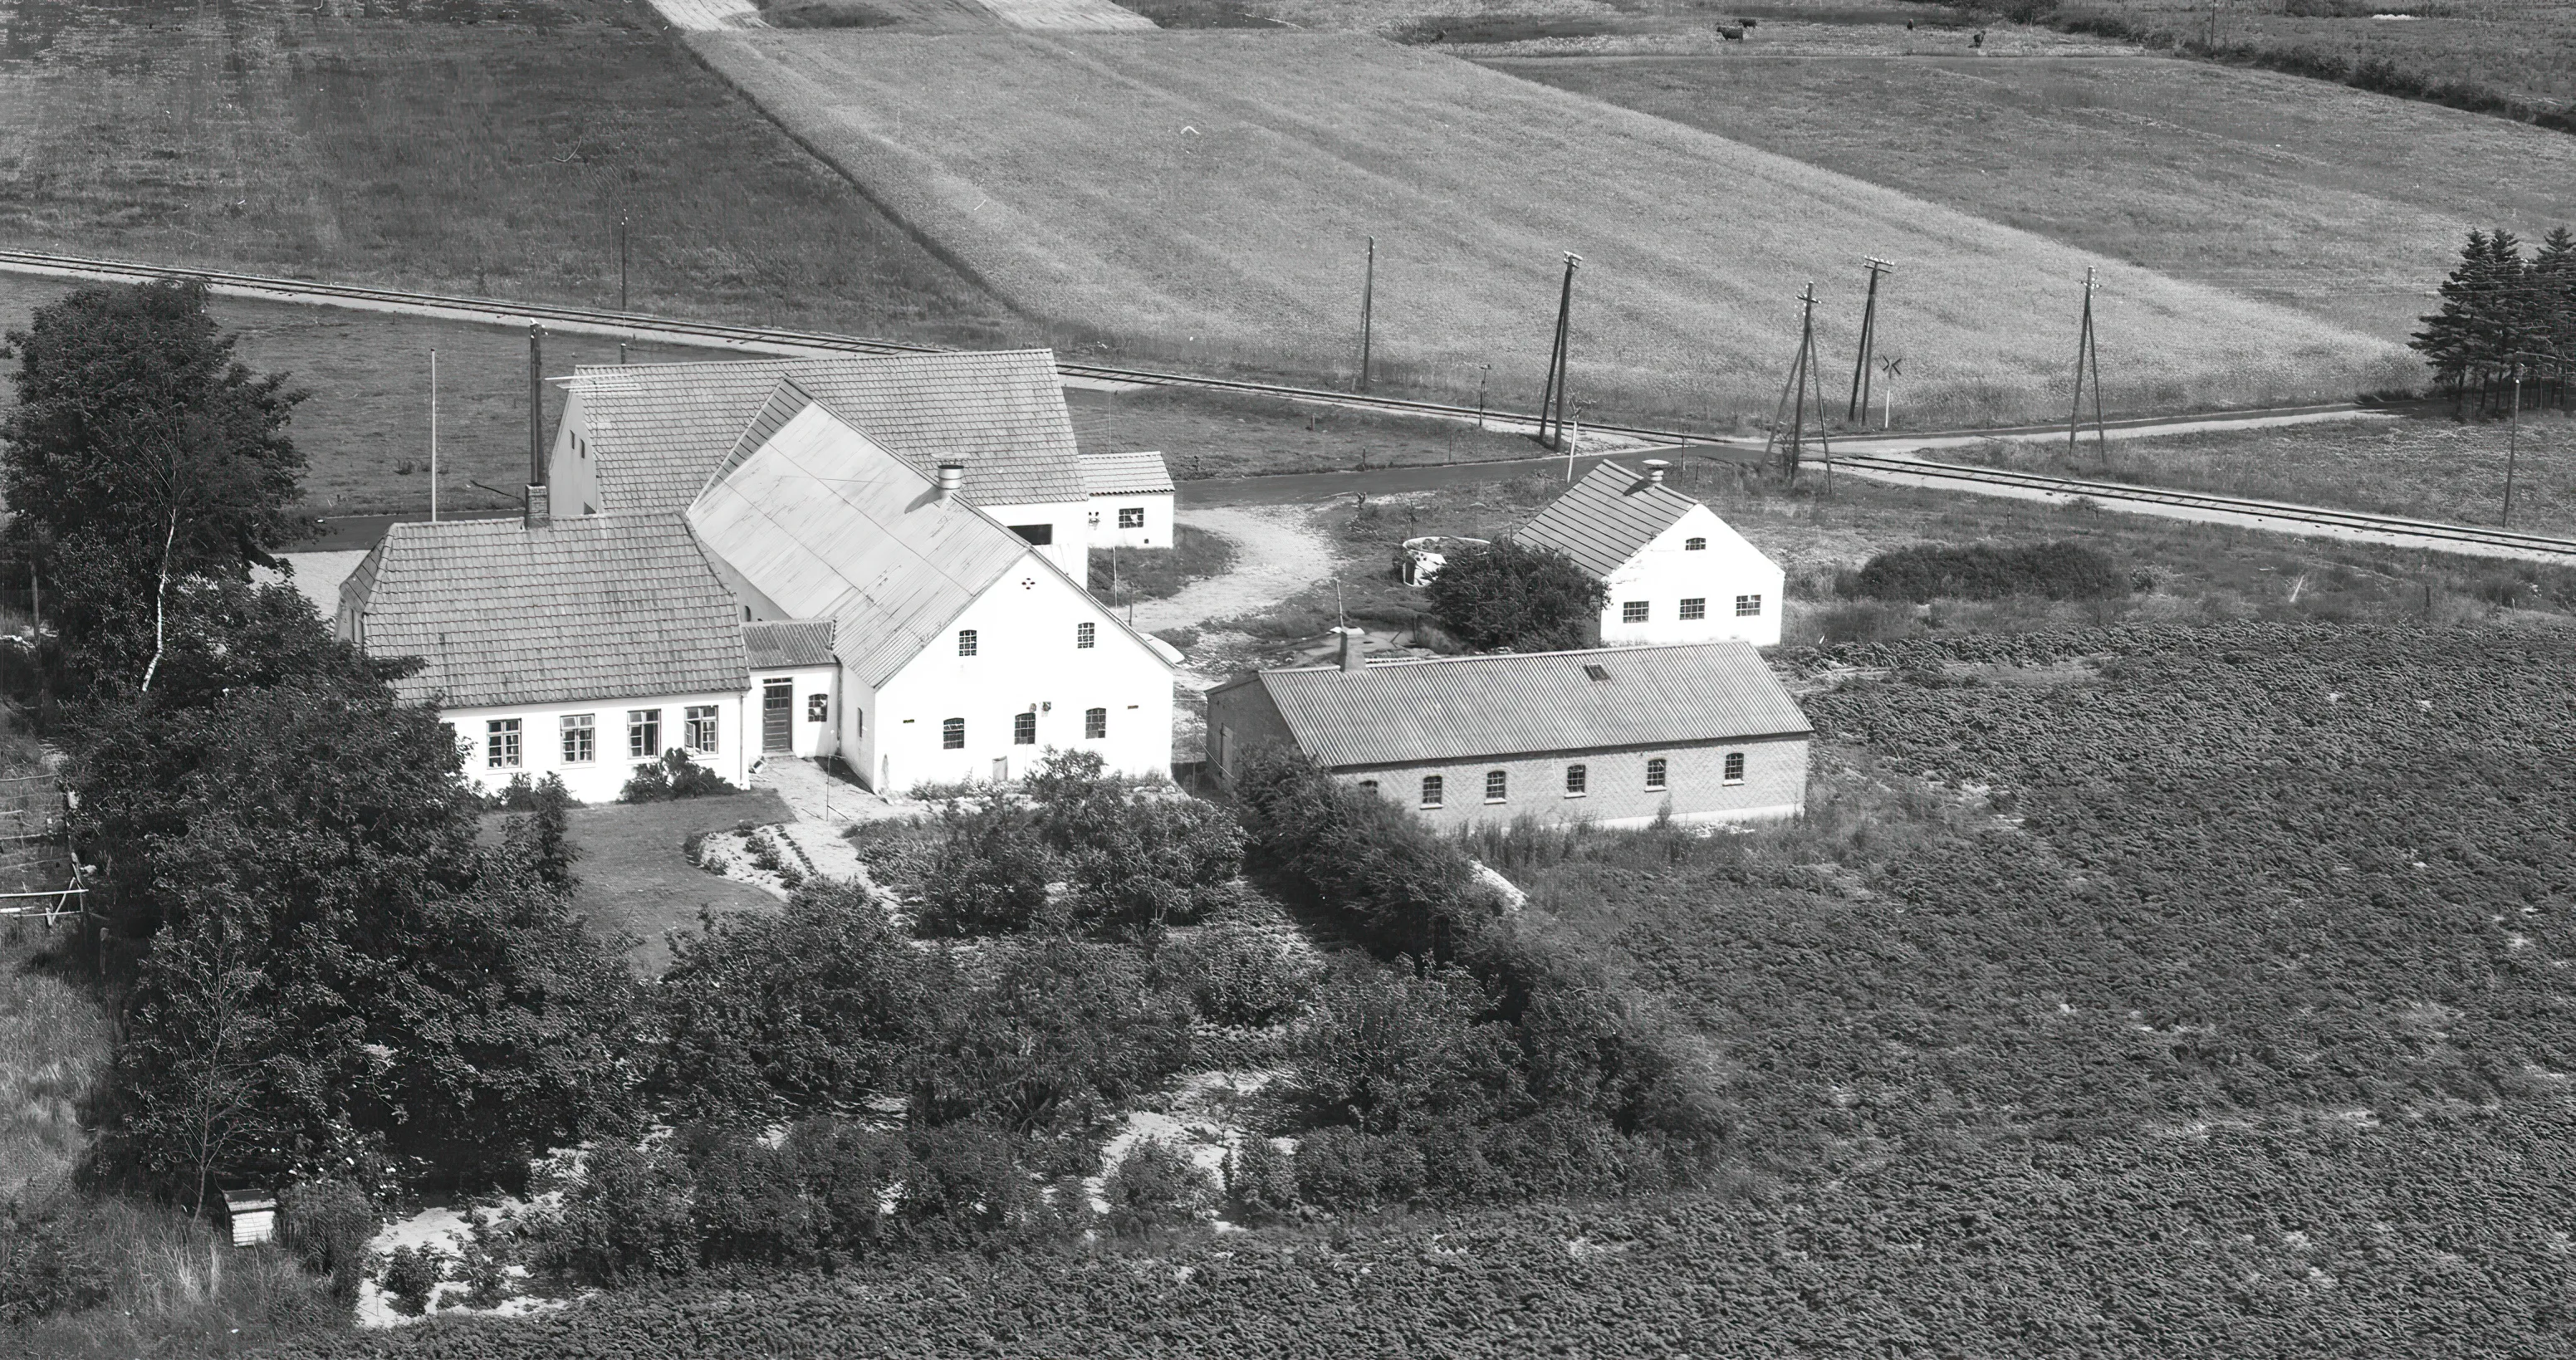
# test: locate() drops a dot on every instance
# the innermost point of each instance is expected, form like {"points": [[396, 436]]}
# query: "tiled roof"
{"points": [[778, 643], [659, 431], [1112, 474], [1604, 519], [1460, 708], [828, 525], [599, 607]]}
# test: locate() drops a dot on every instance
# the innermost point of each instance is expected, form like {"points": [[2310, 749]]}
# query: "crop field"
{"points": [[2264, 185], [1214, 189], [2521, 49], [455, 145]]}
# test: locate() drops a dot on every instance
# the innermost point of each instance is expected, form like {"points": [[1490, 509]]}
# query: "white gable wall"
{"points": [[1026, 658], [1666, 572], [1156, 532], [571, 475], [1070, 540]]}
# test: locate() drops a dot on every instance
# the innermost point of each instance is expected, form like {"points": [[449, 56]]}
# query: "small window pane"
{"points": [[1086, 634], [580, 739], [1131, 517], [965, 642], [952, 734], [501, 743], [1735, 767], [818, 708], [1095, 723], [1694, 545], [1497, 786], [1747, 606], [643, 733], [1576, 777], [1431, 790], [702, 728], [1632, 611], [1024, 729], [1695, 608], [1655, 773]]}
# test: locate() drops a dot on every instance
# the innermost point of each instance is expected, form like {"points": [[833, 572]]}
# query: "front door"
{"points": [[777, 709]]}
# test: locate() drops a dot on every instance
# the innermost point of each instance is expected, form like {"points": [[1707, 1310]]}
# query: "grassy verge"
{"points": [[1157, 573], [636, 878]]}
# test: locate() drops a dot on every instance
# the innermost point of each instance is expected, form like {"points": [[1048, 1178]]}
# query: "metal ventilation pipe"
{"points": [[952, 479], [1655, 470]]}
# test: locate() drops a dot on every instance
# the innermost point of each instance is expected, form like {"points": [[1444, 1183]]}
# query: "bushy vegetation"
{"points": [[2506, 321], [675, 775], [1506, 595], [1983, 571]]}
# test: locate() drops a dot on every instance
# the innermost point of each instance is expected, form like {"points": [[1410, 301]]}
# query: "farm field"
{"points": [[1229, 434], [460, 146], [2344, 205], [1213, 188], [2522, 49]]}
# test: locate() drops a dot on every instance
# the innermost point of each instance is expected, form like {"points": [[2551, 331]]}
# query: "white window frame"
{"points": [[1748, 606], [1434, 790], [580, 738], [1131, 517], [639, 722], [1086, 636], [1636, 611], [952, 734], [1694, 545], [1498, 786], [1659, 772], [1024, 729], [702, 720], [968, 644], [1095, 724], [1734, 767], [1578, 781], [502, 749], [1694, 607]]}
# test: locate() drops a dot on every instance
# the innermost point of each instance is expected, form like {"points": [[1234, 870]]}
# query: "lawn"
{"points": [[2347, 206], [1128, 574], [636, 878], [1210, 190], [458, 145]]}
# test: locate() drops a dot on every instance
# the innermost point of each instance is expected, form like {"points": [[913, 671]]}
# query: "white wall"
{"points": [[571, 475], [1069, 518], [810, 737], [1666, 571], [541, 741], [1157, 530], [1026, 658]]}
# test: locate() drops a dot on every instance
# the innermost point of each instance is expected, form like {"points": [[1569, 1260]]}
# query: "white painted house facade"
{"points": [[1131, 500], [1675, 572]]}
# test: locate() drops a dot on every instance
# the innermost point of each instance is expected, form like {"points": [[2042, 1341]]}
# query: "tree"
{"points": [[1133, 857], [141, 454], [2449, 341], [2553, 276], [1505, 595]]}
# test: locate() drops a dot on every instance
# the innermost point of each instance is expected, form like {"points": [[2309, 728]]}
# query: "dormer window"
{"points": [[1694, 545]]}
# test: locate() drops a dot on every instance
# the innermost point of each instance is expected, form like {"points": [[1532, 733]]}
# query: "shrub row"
{"points": [[2058, 571]]}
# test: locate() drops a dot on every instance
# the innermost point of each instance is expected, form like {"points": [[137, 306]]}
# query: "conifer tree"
{"points": [[2553, 278]]}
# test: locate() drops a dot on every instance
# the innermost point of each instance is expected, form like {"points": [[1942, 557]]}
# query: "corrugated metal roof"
{"points": [[659, 431], [599, 607], [776, 643], [828, 524], [1114, 474], [1459, 708], [1604, 519]]}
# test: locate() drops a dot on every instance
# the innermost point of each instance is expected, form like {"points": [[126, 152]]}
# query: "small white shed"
{"points": [[1131, 499], [254, 1216]]}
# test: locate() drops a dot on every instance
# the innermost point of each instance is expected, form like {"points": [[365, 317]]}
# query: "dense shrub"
{"points": [[991, 871], [1236, 976], [2059, 571], [412, 1275], [327, 1224], [1155, 1183], [673, 776], [1054, 1035], [1260, 1181], [1396, 884], [45, 1268], [1527, 599], [625, 1220], [967, 1185]]}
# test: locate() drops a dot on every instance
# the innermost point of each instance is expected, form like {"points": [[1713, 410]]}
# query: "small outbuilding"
{"points": [[1697, 732], [1131, 500], [1674, 570]]}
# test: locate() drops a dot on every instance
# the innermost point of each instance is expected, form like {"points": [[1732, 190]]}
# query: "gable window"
{"points": [[1036, 535], [1655, 773], [1576, 778], [643, 733], [1632, 611], [965, 642], [501, 743], [580, 738], [1497, 786], [1086, 635], [1696, 607], [1735, 767], [1024, 729], [952, 734], [1431, 790], [1694, 545], [1095, 723], [1747, 606], [818, 708], [702, 728], [1131, 517]]}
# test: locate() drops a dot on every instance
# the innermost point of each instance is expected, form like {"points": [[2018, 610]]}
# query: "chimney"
{"points": [[952, 479], [1655, 471], [540, 507], [536, 403], [1354, 660]]}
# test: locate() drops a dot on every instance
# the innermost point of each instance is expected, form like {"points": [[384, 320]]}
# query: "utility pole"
{"points": [[2512, 447], [1484, 371], [536, 404], [621, 263], [1368, 308], [1551, 401], [2087, 355], [433, 436], [1802, 376], [1868, 342]]}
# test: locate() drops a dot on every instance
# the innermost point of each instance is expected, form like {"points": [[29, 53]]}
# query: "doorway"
{"points": [[777, 710]]}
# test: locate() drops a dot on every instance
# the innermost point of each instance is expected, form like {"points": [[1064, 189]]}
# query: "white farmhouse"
{"points": [[1131, 500], [1675, 571]]}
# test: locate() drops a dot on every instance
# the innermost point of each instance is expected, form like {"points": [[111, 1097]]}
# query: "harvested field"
{"points": [[1212, 189], [2265, 185]]}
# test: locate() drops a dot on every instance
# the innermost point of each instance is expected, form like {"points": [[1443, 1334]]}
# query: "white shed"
{"points": [[1675, 572], [1131, 498]]}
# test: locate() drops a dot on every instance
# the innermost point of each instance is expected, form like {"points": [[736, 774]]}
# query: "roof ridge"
{"points": [[785, 402], [1393, 661]]}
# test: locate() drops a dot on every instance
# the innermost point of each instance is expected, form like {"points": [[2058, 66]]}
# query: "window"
{"points": [[1655, 773], [580, 738], [1735, 767], [818, 708], [1086, 635], [1431, 790], [952, 734], [643, 733], [1024, 729], [1038, 535], [501, 743], [1694, 545], [1131, 517], [965, 642], [1632, 611], [1747, 606], [1095, 723], [1597, 672], [1576, 778], [702, 728], [1369, 784], [1695, 607], [1497, 786]]}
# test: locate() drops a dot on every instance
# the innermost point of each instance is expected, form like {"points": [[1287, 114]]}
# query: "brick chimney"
{"points": [[1655, 471], [952, 479], [540, 506], [1354, 659]]}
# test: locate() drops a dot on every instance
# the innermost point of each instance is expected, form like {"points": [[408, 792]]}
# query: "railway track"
{"points": [[2472, 539]]}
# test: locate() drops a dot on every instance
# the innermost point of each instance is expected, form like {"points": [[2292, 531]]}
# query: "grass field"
{"points": [[636, 879], [1226, 434], [1156, 573], [2344, 205], [458, 145], [1214, 189], [2524, 49]]}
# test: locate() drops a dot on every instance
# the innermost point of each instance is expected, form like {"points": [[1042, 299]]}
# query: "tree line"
{"points": [[2505, 319]]}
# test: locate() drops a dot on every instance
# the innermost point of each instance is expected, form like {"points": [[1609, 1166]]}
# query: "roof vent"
{"points": [[1655, 471], [538, 507], [1597, 672], [952, 479]]}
